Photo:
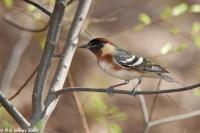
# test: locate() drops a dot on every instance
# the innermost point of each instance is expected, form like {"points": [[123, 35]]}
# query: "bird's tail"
{"points": [[167, 78]]}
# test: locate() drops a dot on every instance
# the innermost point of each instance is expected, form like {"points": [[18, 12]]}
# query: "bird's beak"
{"points": [[84, 46]]}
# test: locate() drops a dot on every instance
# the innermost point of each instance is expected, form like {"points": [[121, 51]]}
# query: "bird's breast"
{"points": [[117, 71]]}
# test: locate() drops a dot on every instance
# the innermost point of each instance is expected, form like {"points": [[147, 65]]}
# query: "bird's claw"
{"points": [[132, 92], [110, 91]]}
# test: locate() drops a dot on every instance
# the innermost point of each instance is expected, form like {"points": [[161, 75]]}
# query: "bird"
{"points": [[124, 65]]}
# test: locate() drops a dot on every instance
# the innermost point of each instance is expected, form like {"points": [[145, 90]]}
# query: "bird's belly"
{"points": [[120, 73]]}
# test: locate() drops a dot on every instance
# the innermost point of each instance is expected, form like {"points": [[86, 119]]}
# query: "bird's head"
{"points": [[99, 46]]}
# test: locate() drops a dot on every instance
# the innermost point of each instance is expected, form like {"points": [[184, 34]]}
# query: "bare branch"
{"points": [[24, 84], [172, 119], [79, 105], [15, 58], [14, 112], [104, 90], [39, 6], [154, 100], [42, 8], [70, 2], [8, 20], [52, 37], [144, 108], [67, 55]]}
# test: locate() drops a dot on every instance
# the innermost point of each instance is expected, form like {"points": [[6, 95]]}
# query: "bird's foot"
{"points": [[132, 92], [110, 91]]}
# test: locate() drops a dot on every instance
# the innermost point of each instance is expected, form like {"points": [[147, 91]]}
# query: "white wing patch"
{"points": [[128, 60], [138, 62]]}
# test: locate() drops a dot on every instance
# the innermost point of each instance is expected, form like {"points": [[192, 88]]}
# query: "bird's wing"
{"points": [[130, 61]]}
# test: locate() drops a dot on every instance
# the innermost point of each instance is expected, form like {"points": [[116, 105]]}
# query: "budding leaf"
{"points": [[99, 104], [8, 3], [166, 13], [174, 30], [197, 92], [196, 40], [195, 28], [114, 128], [144, 18], [195, 8], [181, 47], [166, 48], [180, 9], [31, 8]]}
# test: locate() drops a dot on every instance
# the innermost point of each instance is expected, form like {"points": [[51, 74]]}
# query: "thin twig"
{"points": [[143, 107], [79, 105], [9, 20], [174, 118], [39, 6], [14, 112], [154, 100], [104, 90], [70, 2], [24, 84], [50, 44]]}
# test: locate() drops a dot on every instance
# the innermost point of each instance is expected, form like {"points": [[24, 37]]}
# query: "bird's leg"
{"points": [[111, 88], [132, 92]]}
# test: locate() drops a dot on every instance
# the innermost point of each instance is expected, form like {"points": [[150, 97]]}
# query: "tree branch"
{"points": [[174, 118], [67, 55], [144, 108], [104, 90], [171, 119], [8, 20], [52, 37], [79, 105], [154, 101], [24, 84], [39, 6], [14, 112]]}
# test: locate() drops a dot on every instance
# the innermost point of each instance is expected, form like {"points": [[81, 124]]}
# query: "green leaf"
{"points": [[174, 30], [195, 8], [8, 3], [31, 8], [195, 28], [196, 40], [100, 118], [144, 18], [114, 128], [120, 116], [180, 9], [112, 110], [197, 92], [166, 13], [42, 42], [39, 125], [181, 47], [99, 104], [166, 48]]}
